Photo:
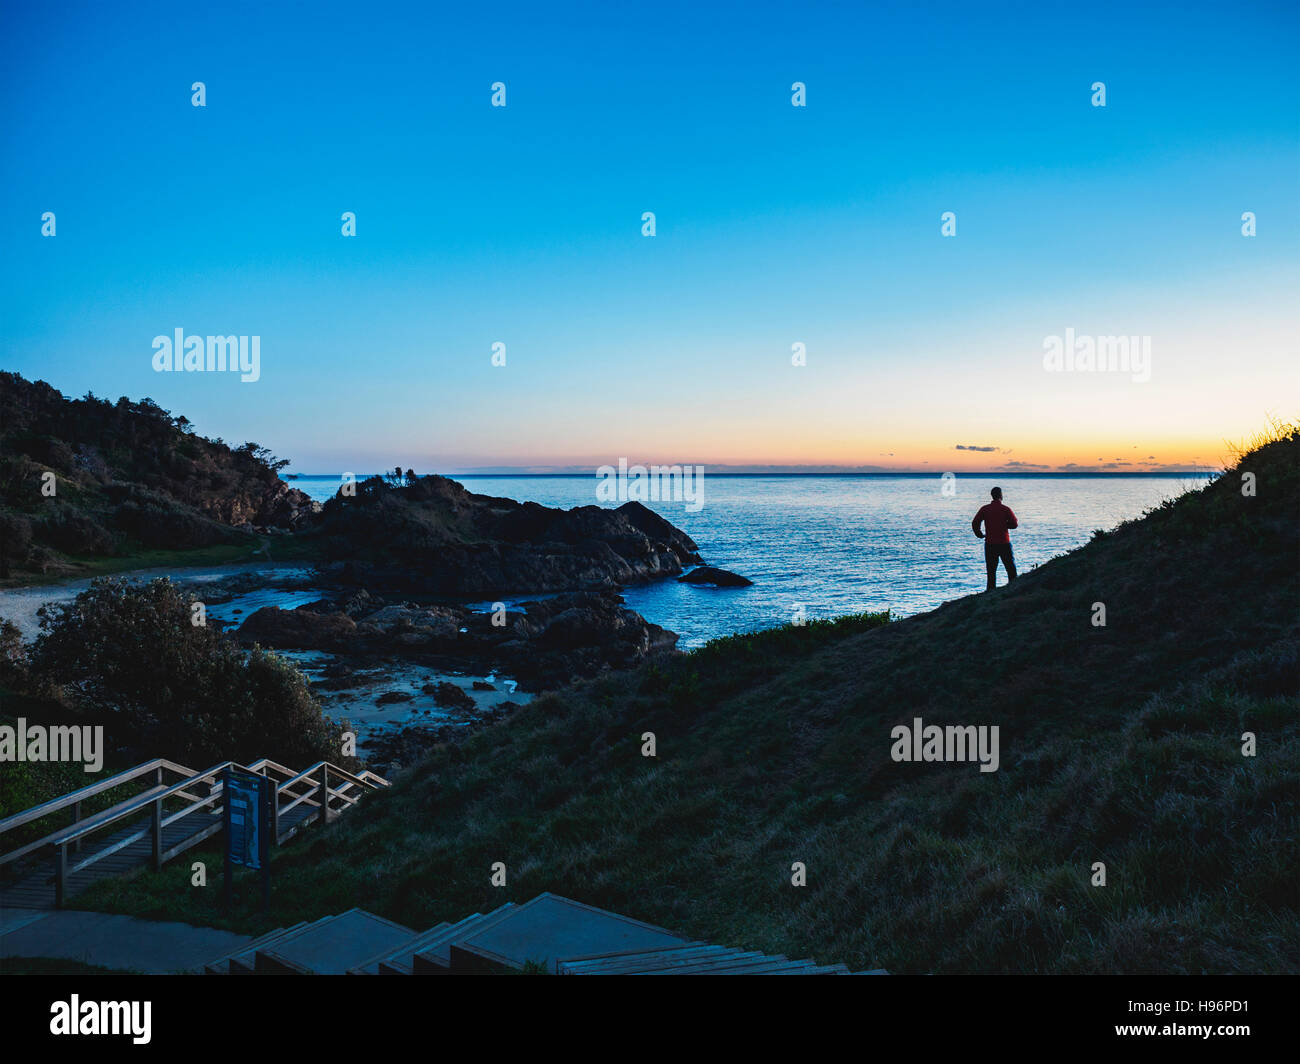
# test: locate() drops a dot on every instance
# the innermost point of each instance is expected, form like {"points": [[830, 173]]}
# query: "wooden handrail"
{"points": [[141, 802], [72, 798], [334, 770], [152, 798], [46, 840], [268, 763], [149, 798]]}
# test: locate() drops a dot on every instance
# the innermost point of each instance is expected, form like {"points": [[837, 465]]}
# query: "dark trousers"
{"points": [[993, 553]]}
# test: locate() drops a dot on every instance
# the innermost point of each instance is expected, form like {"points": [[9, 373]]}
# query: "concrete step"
{"points": [[245, 961], [437, 945], [626, 961], [569, 937], [400, 956], [820, 969], [739, 964], [712, 955], [550, 929], [221, 965], [436, 958], [333, 946], [766, 966], [696, 959], [407, 964]]}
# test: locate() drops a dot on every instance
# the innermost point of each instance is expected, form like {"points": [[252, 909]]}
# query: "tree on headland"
{"points": [[262, 456]]}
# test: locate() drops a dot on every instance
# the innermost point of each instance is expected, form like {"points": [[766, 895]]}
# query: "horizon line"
{"points": [[1086, 472]]}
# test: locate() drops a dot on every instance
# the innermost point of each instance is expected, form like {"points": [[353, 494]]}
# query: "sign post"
{"points": [[246, 805]]}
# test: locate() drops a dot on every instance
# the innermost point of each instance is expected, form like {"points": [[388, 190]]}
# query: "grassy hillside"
{"points": [[1119, 744]]}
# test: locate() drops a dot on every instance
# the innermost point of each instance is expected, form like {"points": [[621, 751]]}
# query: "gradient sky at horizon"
{"points": [[776, 225]]}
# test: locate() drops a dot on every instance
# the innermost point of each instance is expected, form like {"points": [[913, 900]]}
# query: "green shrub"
{"points": [[165, 687]]}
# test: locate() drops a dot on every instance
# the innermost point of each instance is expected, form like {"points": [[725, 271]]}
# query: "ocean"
{"points": [[821, 546]]}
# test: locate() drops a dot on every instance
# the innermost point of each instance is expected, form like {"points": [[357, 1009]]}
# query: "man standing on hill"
{"points": [[997, 520]]}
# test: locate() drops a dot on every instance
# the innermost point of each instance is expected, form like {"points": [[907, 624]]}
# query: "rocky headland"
{"points": [[90, 486]]}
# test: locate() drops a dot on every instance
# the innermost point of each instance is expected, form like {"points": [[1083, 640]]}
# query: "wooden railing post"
{"points": [[324, 795], [76, 819], [157, 823], [275, 813], [60, 874], [157, 834]]}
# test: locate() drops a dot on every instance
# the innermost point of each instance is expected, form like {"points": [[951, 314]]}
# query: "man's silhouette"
{"points": [[997, 519]]}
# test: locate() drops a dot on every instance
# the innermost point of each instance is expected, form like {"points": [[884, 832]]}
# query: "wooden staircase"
{"points": [[154, 821]]}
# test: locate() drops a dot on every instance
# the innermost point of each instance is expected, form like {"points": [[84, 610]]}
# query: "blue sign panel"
{"points": [[243, 799]]}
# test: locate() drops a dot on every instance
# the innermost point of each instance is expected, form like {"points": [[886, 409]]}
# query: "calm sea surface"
{"points": [[835, 545]]}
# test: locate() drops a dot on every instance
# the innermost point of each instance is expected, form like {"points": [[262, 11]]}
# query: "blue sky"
{"points": [[775, 225]]}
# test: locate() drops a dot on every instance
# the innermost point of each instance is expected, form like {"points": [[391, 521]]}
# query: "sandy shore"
{"points": [[20, 604]]}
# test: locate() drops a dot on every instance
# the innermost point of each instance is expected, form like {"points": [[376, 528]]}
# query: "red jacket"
{"points": [[997, 519]]}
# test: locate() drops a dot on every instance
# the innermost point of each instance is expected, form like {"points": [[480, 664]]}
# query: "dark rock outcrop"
{"points": [[449, 696], [301, 629], [708, 574], [283, 507], [571, 636], [435, 537], [413, 625]]}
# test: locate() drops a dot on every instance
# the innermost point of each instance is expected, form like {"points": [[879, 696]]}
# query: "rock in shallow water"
{"points": [[708, 574], [297, 629], [542, 643], [449, 696]]}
